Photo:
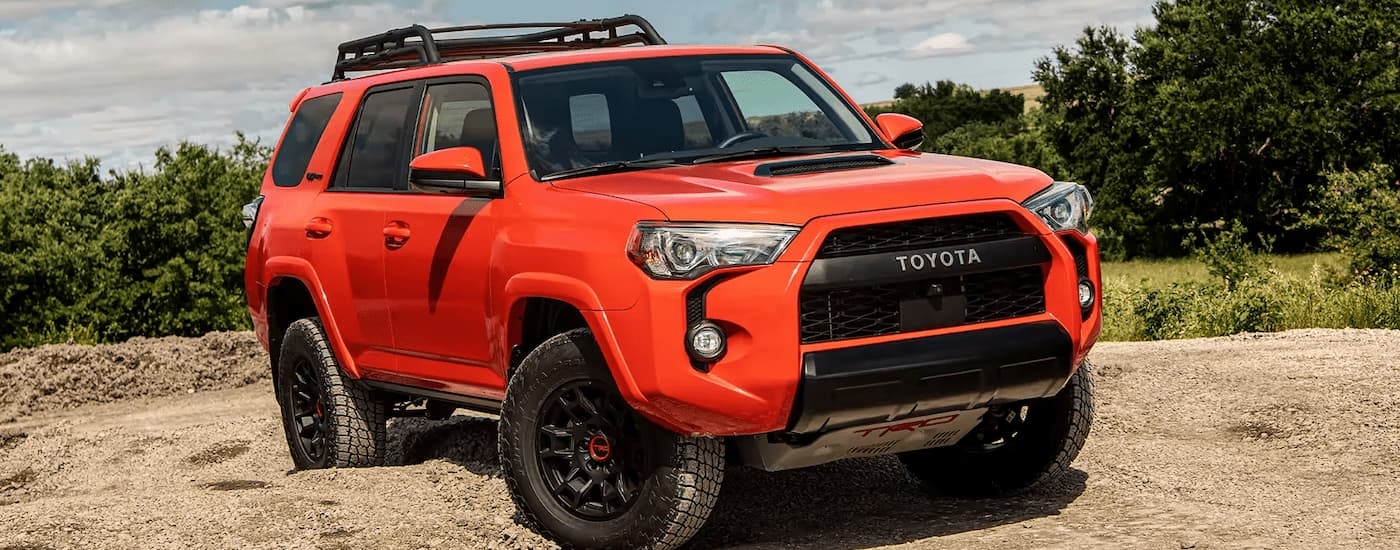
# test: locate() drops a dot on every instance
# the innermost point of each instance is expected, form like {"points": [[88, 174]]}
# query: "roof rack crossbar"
{"points": [[416, 45]]}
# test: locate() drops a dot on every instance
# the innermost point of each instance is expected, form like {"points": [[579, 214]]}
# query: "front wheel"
{"points": [[1016, 448], [585, 469]]}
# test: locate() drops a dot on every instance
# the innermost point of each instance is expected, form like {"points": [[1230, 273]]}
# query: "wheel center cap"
{"points": [[599, 448]]}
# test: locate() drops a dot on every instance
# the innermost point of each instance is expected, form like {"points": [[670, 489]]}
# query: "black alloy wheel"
{"points": [[308, 410], [591, 450]]}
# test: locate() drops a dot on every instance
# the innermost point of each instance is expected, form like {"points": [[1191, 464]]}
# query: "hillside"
{"points": [[1032, 92]]}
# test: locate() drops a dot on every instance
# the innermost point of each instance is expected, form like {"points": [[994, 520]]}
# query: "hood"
{"points": [[731, 191]]}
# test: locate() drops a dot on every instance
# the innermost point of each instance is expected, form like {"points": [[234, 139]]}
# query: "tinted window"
{"points": [[680, 109], [773, 105], [299, 143], [373, 156]]}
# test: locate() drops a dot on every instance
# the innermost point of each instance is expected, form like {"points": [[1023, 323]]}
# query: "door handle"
{"points": [[396, 234], [318, 228]]}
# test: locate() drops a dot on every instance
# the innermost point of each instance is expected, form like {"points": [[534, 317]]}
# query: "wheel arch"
{"points": [[538, 303], [294, 292]]}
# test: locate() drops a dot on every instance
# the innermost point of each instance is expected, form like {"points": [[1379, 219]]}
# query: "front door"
{"points": [[436, 262]]}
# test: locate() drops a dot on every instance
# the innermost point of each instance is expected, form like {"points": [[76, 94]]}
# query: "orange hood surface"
{"points": [[730, 191]]}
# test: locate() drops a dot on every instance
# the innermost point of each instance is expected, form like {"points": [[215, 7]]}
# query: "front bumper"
{"points": [[771, 382], [907, 378]]}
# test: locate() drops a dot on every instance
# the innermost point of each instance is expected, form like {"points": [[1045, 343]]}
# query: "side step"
{"points": [[477, 404]]}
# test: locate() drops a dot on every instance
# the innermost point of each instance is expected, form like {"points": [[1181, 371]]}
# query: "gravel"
{"points": [[1283, 440], [48, 378]]}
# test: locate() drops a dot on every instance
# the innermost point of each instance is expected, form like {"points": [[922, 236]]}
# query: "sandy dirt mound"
{"points": [[1280, 441], [38, 380]]}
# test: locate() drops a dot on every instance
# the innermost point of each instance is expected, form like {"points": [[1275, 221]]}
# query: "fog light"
{"points": [[705, 341], [1086, 294]]}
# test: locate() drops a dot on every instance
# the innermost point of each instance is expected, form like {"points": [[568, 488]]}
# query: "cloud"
{"points": [[93, 85], [870, 79], [948, 43], [835, 31]]}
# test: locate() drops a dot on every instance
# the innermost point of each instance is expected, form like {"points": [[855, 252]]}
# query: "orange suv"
{"points": [[654, 261]]}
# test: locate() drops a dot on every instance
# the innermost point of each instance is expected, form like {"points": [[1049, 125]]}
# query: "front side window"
{"points": [[681, 109], [459, 114]]}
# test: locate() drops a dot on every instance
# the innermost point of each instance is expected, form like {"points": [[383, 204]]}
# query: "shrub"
{"points": [[1362, 210], [94, 259]]}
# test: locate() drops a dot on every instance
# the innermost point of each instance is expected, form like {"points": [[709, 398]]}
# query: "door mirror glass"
{"points": [[904, 131], [454, 170]]}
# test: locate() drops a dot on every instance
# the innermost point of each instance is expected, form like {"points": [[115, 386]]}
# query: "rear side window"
{"points": [[591, 121], [373, 154], [697, 131], [304, 132]]}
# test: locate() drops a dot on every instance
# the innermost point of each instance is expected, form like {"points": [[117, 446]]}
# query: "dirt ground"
{"points": [[1284, 441]]}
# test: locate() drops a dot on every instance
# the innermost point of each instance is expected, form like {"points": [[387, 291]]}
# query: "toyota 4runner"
{"points": [[654, 261]]}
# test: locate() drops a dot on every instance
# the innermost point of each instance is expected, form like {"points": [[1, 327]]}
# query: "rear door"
{"points": [[347, 222], [436, 274]]}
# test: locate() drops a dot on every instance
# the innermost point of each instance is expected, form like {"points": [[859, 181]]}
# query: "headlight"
{"points": [[687, 251], [1063, 206]]}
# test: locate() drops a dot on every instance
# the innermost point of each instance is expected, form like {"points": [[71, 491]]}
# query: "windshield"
{"points": [[681, 109]]}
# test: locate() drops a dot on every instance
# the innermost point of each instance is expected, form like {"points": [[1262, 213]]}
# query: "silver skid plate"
{"points": [[910, 434]]}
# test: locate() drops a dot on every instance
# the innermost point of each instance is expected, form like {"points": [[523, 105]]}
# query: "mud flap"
{"points": [[911, 434]]}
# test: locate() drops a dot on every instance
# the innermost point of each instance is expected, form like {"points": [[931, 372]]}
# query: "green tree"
{"points": [[1248, 104], [1021, 140], [1224, 111], [947, 106], [137, 253], [1092, 122]]}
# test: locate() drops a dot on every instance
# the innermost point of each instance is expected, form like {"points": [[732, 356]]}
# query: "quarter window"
{"points": [[299, 143]]}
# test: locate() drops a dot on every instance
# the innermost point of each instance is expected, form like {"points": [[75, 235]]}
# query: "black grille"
{"points": [[916, 234], [1081, 258], [866, 311]]}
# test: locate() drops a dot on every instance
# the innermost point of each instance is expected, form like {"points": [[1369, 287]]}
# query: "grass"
{"points": [[1032, 92], [1162, 272], [1155, 300]]}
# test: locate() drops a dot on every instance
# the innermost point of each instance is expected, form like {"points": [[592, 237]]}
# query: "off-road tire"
{"points": [[354, 418], [676, 496], [1035, 459]]}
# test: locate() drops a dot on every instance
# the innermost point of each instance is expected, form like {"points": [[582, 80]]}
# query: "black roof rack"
{"points": [[417, 46]]}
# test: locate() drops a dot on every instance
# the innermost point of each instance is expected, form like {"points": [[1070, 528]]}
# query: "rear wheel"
{"points": [[588, 471], [330, 420], [1016, 449]]}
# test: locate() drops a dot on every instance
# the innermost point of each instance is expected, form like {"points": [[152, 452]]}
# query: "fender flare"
{"points": [[579, 294], [291, 267]]}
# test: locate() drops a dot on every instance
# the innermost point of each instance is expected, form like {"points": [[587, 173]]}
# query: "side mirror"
{"points": [[904, 131], [453, 171]]}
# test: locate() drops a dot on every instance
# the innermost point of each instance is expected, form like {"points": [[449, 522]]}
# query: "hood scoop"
{"points": [[823, 164]]}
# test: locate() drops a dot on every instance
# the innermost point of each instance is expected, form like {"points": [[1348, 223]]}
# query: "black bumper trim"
{"points": [[881, 382], [913, 265]]}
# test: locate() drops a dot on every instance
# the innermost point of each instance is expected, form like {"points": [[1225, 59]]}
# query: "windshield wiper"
{"points": [[774, 151], [610, 167]]}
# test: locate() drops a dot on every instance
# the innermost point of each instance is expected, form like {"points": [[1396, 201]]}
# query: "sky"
{"points": [[116, 79]]}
